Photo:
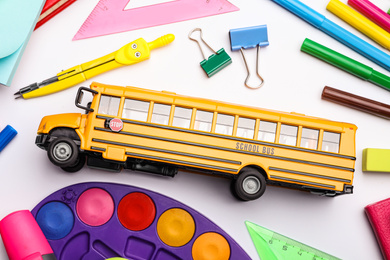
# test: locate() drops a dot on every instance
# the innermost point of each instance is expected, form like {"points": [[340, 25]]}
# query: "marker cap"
{"points": [[6, 136], [23, 238]]}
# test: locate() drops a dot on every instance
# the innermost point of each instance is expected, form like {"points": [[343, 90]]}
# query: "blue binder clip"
{"points": [[249, 37], [216, 62]]}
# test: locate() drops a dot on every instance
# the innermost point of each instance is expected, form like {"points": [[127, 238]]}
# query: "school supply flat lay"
{"points": [[88, 181]]}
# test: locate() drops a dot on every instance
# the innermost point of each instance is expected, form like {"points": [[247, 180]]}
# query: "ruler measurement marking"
{"points": [[106, 9], [283, 248]]}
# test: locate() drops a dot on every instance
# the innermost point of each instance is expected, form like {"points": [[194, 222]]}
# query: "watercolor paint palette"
{"points": [[103, 220]]}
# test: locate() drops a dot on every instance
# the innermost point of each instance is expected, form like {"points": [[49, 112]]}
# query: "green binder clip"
{"points": [[216, 62]]}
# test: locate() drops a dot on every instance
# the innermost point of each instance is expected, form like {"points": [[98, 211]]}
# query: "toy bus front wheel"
{"points": [[249, 185], [79, 164], [63, 152]]}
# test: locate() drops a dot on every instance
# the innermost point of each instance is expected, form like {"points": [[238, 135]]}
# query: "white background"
{"points": [[294, 82]]}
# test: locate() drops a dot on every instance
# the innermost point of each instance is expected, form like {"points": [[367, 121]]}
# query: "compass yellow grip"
{"points": [[161, 41]]}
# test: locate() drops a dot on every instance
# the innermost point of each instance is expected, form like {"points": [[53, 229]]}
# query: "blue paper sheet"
{"points": [[17, 20]]}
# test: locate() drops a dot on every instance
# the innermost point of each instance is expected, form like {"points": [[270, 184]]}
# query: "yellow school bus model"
{"points": [[161, 132]]}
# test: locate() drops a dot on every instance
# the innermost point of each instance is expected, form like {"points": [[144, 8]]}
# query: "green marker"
{"points": [[345, 63], [273, 246]]}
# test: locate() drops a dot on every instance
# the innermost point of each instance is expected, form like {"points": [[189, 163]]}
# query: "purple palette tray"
{"points": [[103, 220]]}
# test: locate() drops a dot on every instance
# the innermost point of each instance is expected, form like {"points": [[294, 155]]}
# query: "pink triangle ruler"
{"points": [[110, 16]]}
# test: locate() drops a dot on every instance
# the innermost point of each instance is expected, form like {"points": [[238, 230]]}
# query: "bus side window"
{"points": [[288, 134], [135, 109], [182, 117], [160, 114], [203, 120], [109, 105], [245, 127], [309, 138], [224, 124], [267, 131], [331, 142]]}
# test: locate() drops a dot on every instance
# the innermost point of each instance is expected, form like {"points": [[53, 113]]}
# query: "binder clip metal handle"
{"points": [[216, 62], [257, 69], [249, 37], [201, 37]]}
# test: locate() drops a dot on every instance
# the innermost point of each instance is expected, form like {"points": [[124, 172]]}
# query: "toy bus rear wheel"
{"points": [[63, 152], [249, 185]]}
